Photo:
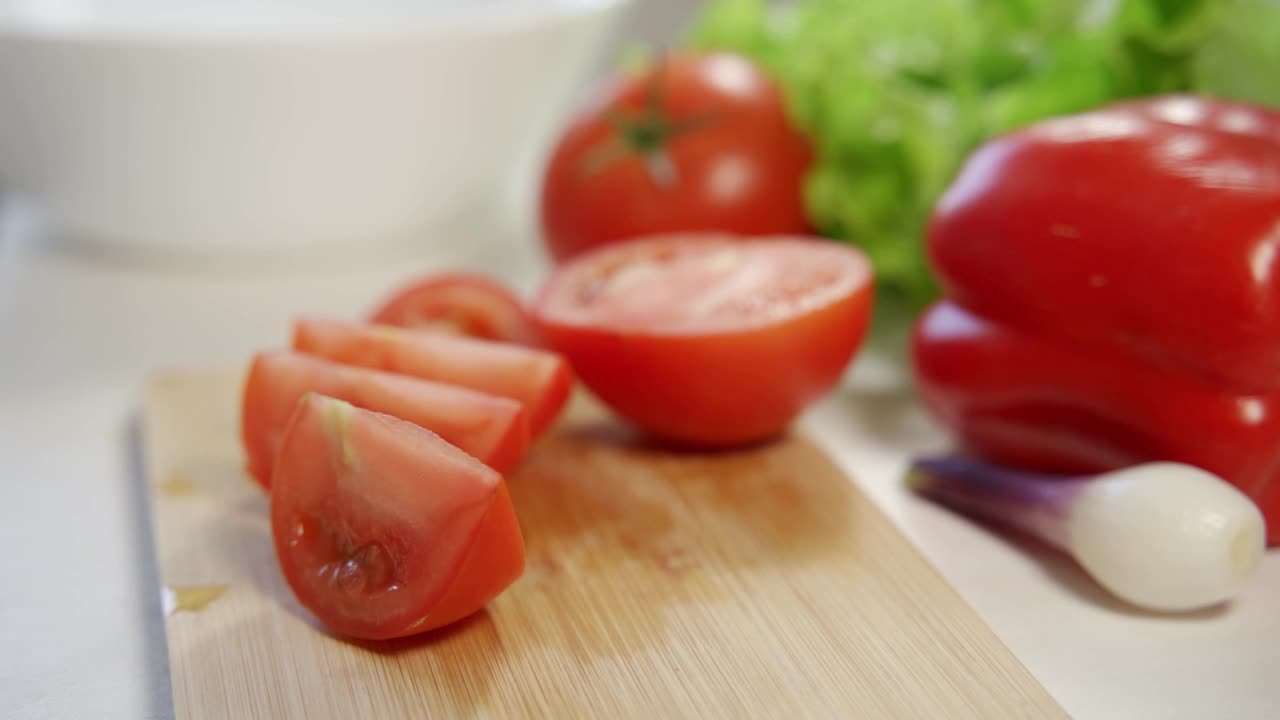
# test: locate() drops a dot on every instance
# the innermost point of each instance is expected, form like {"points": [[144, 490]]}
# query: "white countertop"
{"points": [[79, 618]]}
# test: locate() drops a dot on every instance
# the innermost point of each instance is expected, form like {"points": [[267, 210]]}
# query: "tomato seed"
{"points": [[362, 569], [349, 577]]}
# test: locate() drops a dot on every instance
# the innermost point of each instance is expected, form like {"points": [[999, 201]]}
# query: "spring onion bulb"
{"points": [[1163, 536]]}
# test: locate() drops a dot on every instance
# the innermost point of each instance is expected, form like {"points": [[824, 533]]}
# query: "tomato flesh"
{"points": [[709, 340], [539, 379], [460, 304], [382, 528], [493, 429]]}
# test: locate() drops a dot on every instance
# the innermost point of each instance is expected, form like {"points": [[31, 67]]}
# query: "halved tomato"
{"points": [[382, 528], [462, 304], [491, 428], [539, 379], [709, 340]]}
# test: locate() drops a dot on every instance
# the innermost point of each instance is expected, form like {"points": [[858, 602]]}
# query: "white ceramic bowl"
{"points": [[278, 125]]}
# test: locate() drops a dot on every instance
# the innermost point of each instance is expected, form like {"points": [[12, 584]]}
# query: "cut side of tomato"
{"points": [[493, 429], [539, 379], [460, 304], [709, 340], [384, 529]]}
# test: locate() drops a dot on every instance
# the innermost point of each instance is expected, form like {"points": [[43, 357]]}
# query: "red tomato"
{"points": [[539, 379], [493, 429], [702, 142], [709, 340], [382, 528], [462, 304]]}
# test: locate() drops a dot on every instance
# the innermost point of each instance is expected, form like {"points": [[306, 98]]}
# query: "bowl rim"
{"points": [[499, 18]]}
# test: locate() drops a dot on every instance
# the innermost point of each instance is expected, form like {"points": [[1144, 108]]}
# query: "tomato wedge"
{"points": [[539, 379], [462, 304], [493, 429], [709, 340], [382, 528]]}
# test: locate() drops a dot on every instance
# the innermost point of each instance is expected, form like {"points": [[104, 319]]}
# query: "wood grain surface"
{"points": [[756, 583]]}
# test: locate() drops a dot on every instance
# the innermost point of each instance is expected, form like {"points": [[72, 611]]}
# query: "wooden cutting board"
{"points": [[758, 583]]}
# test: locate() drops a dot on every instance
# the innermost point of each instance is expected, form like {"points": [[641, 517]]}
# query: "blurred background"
{"points": [[299, 144], [291, 128], [394, 134], [218, 128]]}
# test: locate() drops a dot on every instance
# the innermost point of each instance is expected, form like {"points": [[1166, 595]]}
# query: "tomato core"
{"points": [[348, 564]]}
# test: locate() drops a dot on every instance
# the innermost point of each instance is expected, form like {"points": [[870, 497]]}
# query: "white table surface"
{"points": [[80, 630]]}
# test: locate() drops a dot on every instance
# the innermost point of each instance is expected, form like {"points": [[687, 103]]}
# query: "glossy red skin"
{"points": [[446, 521], [742, 174], [539, 379], [716, 389], [1122, 229], [459, 303], [1046, 404]]}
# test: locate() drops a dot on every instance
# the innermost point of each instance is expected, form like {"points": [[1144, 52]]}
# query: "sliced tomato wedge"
{"points": [[461, 304], [539, 379], [382, 528], [493, 429], [709, 340]]}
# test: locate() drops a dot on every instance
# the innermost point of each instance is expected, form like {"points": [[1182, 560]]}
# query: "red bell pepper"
{"points": [[1044, 403], [1149, 226], [1114, 294]]}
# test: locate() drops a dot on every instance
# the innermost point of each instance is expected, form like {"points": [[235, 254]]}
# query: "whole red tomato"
{"points": [[699, 142]]}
